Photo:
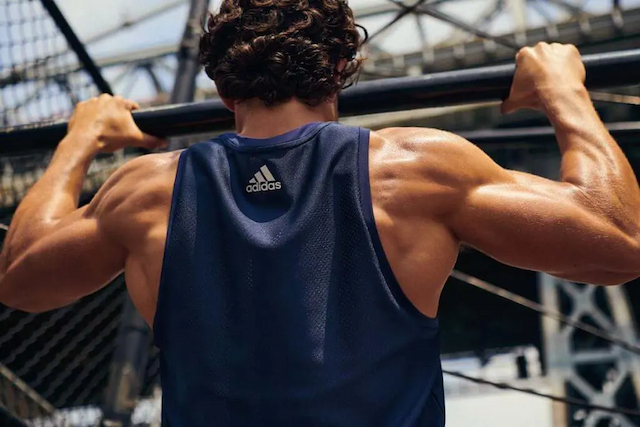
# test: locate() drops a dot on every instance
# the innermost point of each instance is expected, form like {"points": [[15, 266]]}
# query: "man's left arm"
{"points": [[55, 252]]}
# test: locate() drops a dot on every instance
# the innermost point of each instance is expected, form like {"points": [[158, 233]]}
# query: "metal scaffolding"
{"points": [[566, 23], [585, 368], [448, 88]]}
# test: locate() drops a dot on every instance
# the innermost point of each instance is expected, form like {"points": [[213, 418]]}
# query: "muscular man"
{"points": [[291, 271]]}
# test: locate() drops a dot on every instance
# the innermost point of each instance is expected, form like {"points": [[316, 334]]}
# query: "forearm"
{"points": [[53, 196], [592, 160]]}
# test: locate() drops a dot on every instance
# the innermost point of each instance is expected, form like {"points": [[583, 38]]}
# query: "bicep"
{"points": [[72, 260], [538, 224], [520, 219]]}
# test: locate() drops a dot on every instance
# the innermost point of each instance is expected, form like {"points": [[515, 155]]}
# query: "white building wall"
{"points": [[498, 409]]}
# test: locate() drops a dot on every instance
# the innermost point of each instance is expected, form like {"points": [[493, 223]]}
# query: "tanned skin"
{"points": [[432, 192]]}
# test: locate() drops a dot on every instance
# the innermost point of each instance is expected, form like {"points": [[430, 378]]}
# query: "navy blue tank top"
{"points": [[277, 306]]}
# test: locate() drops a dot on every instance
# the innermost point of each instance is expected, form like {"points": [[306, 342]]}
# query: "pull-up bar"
{"points": [[378, 96]]}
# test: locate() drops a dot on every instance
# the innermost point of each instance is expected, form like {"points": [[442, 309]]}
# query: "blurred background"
{"points": [[95, 361]]}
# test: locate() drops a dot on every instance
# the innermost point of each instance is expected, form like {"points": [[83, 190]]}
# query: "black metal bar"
{"points": [[188, 65], [184, 87], [157, 85], [406, 10], [625, 133], [77, 46], [8, 420], [127, 368], [379, 96]]}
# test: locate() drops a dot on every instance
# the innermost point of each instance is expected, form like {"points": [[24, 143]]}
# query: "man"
{"points": [[293, 277]]}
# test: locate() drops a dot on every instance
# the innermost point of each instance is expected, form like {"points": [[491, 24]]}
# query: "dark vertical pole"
{"points": [[127, 368], [184, 87], [77, 46], [8, 420]]}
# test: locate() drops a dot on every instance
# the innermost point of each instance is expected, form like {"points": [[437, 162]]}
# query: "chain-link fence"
{"points": [[54, 367], [61, 360], [41, 78], [20, 400]]}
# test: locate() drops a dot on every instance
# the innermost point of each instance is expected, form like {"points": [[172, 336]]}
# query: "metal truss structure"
{"points": [[588, 32], [578, 365], [448, 48]]}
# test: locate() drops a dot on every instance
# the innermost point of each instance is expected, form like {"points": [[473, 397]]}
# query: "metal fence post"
{"points": [[184, 87], [127, 369]]}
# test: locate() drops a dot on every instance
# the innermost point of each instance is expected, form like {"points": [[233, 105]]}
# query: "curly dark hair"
{"points": [[275, 50]]}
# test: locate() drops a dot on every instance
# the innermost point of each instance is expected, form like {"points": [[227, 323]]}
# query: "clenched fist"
{"points": [[109, 119], [542, 71]]}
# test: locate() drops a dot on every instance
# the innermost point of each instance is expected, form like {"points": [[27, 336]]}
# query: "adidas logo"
{"points": [[263, 180]]}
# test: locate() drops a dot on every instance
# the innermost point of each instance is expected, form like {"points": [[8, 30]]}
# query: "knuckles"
{"points": [[544, 49], [103, 100]]}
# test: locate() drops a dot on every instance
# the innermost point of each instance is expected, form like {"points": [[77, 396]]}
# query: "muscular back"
{"points": [[135, 205], [431, 191]]}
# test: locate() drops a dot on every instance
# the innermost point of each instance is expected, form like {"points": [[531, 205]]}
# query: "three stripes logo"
{"points": [[263, 180]]}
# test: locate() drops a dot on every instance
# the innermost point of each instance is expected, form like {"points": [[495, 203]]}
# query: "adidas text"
{"points": [[264, 186], [263, 180]]}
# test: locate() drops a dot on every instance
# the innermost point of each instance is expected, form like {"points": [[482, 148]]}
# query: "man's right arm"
{"points": [[584, 228]]}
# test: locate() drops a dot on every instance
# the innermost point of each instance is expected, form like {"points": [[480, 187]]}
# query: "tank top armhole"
{"points": [[157, 326], [393, 287]]}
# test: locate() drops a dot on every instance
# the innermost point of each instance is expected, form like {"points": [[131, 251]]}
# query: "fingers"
{"points": [[511, 105], [540, 70], [115, 100], [152, 142], [129, 129], [106, 99], [126, 103], [515, 103], [508, 106], [542, 47]]}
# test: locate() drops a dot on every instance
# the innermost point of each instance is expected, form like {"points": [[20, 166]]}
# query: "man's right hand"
{"points": [[541, 72], [109, 119]]}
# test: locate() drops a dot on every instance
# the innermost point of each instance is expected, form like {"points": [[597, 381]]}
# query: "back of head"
{"points": [[275, 50]]}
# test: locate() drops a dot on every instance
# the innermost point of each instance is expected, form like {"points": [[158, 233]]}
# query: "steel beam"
{"points": [[577, 366], [518, 12], [385, 95], [40, 66], [385, 8], [13, 76], [127, 368], [592, 31], [587, 32], [72, 39], [184, 87]]}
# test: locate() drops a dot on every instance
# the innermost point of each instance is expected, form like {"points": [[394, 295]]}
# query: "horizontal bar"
{"points": [[378, 96], [624, 133]]}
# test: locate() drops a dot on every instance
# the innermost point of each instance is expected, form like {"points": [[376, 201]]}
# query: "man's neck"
{"points": [[255, 120]]}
